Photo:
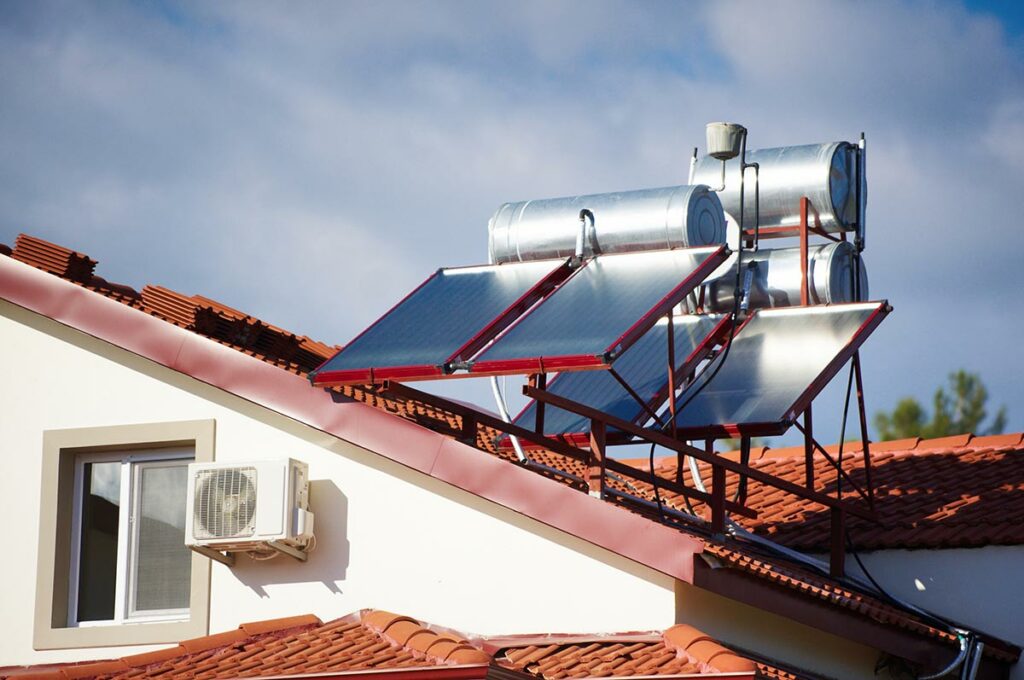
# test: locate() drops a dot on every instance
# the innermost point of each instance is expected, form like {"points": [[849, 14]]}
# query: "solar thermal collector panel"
{"points": [[446, 319], [779, 361], [598, 313]]}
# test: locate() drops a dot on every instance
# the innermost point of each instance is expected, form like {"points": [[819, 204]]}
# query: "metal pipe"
{"points": [[693, 165], [757, 202], [581, 236], [499, 399], [965, 646], [679, 514], [862, 192], [972, 666]]}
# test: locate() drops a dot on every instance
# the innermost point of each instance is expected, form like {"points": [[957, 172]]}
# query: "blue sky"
{"points": [[309, 163]]}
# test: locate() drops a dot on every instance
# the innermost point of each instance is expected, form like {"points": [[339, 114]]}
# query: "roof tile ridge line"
{"points": [[92, 669], [705, 651], [245, 631], [61, 318], [197, 300], [443, 646]]}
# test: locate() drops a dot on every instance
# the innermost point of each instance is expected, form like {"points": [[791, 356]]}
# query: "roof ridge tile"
{"points": [[285, 623], [208, 642], [955, 441]]}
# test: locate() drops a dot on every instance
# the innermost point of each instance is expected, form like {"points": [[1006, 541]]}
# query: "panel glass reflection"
{"points": [[775, 358], [598, 304], [442, 315]]}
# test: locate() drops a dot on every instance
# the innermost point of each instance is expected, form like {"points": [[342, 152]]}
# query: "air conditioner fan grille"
{"points": [[225, 503]]}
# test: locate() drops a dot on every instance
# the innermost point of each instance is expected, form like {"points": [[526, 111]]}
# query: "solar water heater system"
{"points": [[638, 318]]}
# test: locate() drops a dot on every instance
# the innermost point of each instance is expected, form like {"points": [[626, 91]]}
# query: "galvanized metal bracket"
{"points": [[288, 550], [222, 557]]}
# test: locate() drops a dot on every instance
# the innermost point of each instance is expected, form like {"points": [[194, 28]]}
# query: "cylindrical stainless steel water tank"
{"points": [[776, 279], [824, 173], [627, 221]]}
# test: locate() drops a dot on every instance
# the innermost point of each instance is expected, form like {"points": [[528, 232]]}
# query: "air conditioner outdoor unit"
{"points": [[259, 507]]}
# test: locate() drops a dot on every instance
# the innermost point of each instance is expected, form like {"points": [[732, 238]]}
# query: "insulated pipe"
{"points": [[499, 399], [971, 670]]}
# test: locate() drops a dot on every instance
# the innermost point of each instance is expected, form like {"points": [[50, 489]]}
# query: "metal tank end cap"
{"points": [[724, 139]]}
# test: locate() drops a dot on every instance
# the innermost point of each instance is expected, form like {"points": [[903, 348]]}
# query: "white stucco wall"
{"points": [[388, 537], [982, 587]]}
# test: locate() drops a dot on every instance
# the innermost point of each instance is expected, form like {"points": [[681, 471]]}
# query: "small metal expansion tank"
{"points": [[627, 221]]}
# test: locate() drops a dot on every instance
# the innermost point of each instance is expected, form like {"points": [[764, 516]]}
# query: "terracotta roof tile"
{"points": [[259, 627], [53, 258], [208, 642], [957, 441], [999, 441], [896, 445], [679, 650], [355, 643]]}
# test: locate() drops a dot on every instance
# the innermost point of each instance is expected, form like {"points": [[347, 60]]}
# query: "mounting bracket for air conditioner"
{"points": [[228, 558], [288, 550], [222, 557]]}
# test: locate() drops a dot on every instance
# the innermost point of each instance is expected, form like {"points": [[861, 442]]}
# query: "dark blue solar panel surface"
{"points": [[773, 360], [441, 316], [602, 301], [644, 366]]}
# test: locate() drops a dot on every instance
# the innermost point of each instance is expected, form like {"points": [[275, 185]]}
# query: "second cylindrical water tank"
{"points": [[824, 173], [627, 221], [776, 278]]}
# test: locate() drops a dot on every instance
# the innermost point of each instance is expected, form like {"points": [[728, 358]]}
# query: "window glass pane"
{"points": [[163, 565], [97, 562]]}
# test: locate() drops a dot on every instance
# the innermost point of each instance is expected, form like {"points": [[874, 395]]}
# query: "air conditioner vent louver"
{"points": [[225, 503]]}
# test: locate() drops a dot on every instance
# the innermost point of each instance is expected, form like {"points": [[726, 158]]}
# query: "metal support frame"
{"points": [[659, 439], [540, 381], [288, 550], [837, 558], [216, 555], [228, 557], [596, 476], [809, 448], [607, 430]]}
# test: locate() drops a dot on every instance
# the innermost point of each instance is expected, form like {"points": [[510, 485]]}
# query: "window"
{"points": [[129, 562], [113, 568]]}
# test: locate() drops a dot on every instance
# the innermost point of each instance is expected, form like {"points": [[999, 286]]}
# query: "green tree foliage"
{"points": [[959, 410]]}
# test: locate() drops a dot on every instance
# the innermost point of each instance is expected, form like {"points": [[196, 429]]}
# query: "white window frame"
{"points": [[127, 538]]}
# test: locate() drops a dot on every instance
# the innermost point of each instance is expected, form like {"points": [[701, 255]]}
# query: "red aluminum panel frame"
{"points": [[604, 360], [373, 375], [771, 429]]}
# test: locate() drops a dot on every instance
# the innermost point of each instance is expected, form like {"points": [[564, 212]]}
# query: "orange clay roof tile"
{"points": [[938, 493], [998, 441], [681, 636], [354, 643], [259, 627]]}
